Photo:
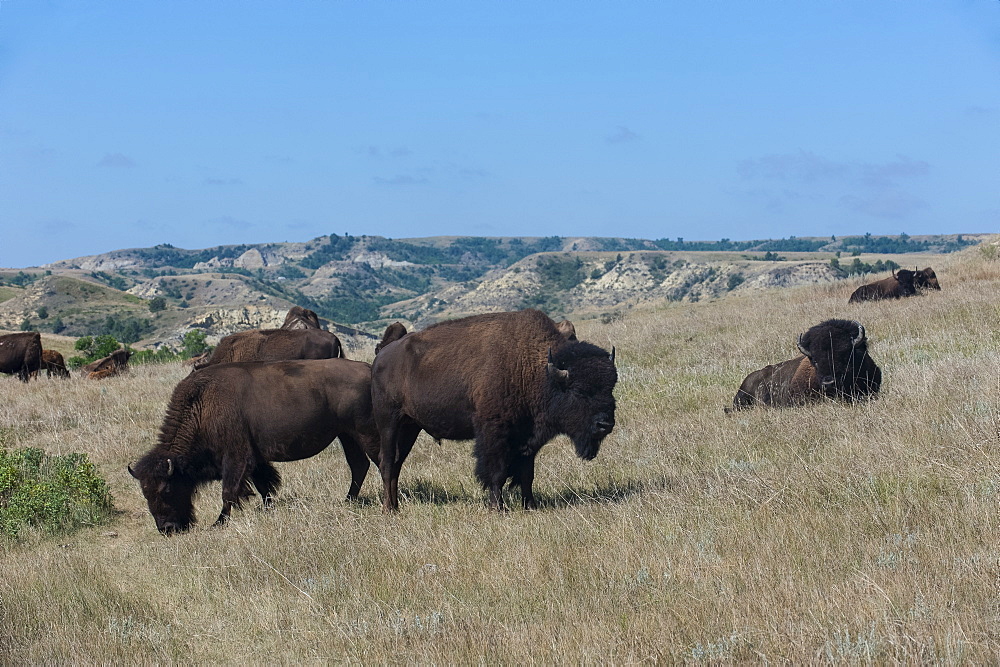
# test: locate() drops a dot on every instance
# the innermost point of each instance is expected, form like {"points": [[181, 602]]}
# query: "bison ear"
{"points": [[802, 348]]}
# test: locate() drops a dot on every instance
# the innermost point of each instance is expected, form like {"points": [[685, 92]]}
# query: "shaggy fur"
{"points": [[21, 354], [54, 364], [511, 381], [230, 421], [275, 345], [898, 285], [301, 318], [834, 364]]}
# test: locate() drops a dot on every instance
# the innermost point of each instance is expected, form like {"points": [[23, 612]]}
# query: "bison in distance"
{"points": [[898, 285], [275, 345], [54, 364], [926, 279], [301, 318], [393, 332], [834, 364], [511, 381], [230, 421], [113, 364], [21, 354]]}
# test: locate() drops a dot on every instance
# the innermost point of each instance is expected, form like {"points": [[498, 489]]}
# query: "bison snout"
{"points": [[602, 427], [171, 528]]}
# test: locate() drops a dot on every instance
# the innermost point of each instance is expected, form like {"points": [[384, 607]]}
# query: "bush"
{"points": [[55, 494], [157, 303]]}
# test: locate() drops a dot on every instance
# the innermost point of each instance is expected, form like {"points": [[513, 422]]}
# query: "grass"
{"points": [[830, 532]]}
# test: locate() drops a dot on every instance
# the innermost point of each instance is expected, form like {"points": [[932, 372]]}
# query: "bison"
{"points": [[567, 329], [511, 381], [926, 279], [898, 285], [275, 345], [21, 354], [834, 364], [113, 364], [54, 364], [301, 318], [230, 421], [393, 332]]}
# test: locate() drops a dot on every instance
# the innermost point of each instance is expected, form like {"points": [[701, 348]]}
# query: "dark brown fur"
{"points": [[926, 279], [567, 329], [275, 345], [834, 364], [54, 364], [511, 381], [393, 332], [113, 364], [229, 422], [898, 285], [21, 354], [301, 318]]}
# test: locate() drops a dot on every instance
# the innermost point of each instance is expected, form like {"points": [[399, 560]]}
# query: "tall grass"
{"points": [[831, 532]]}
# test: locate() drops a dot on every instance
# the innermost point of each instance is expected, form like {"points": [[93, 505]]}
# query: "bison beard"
{"points": [[834, 364], [229, 422], [511, 381]]}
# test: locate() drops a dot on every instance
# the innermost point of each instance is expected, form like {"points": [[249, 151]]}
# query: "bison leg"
{"points": [[397, 441], [267, 481], [493, 464], [524, 475], [357, 461], [234, 486]]}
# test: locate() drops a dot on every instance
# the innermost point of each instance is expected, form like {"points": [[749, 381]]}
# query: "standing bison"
{"points": [[926, 279], [301, 318], [511, 381], [275, 345], [54, 364], [898, 285], [834, 364], [393, 332], [229, 422], [21, 354]]}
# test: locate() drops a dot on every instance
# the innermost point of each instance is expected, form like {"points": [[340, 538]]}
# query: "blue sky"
{"points": [[127, 124]]}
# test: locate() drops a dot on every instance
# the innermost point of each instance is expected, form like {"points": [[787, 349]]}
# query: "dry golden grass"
{"points": [[829, 532]]}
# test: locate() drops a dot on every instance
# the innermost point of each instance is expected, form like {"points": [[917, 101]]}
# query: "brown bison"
{"points": [[898, 285], [54, 364], [567, 329], [230, 421], [113, 364], [21, 354], [275, 345], [834, 364], [926, 279], [393, 332], [511, 381], [301, 318]]}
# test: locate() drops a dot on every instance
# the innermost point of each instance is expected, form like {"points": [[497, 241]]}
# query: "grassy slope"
{"points": [[825, 532]]}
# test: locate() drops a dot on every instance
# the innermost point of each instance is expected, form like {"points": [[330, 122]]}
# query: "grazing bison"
{"points": [[393, 332], [113, 364], [511, 381], [926, 279], [275, 345], [21, 354], [54, 364], [835, 364], [301, 318], [900, 284], [230, 421]]}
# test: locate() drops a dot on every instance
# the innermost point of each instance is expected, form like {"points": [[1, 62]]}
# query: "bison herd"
{"points": [[509, 381]]}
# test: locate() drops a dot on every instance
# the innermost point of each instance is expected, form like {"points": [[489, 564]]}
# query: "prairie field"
{"points": [[832, 532]]}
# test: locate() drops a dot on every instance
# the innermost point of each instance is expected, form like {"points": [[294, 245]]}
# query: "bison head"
{"points": [[905, 278], [581, 378], [168, 492], [833, 347], [926, 279]]}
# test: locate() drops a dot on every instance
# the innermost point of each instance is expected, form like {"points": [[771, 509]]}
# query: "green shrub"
{"points": [[55, 494]]}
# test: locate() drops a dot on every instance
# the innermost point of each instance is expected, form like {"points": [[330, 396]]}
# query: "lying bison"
{"points": [[301, 318], [511, 381], [54, 364], [393, 332], [21, 354], [834, 364], [926, 279], [230, 421], [275, 345], [898, 285], [113, 364]]}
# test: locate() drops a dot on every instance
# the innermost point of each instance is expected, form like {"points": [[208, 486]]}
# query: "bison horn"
{"points": [[132, 472], [170, 467], [612, 354], [861, 335], [560, 374], [802, 348]]}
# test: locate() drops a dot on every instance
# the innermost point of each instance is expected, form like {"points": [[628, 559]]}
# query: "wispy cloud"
{"points": [[884, 204], [401, 180], [982, 112], [56, 226], [116, 161], [222, 181], [381, 152], [622, 135], [228, 222]]}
